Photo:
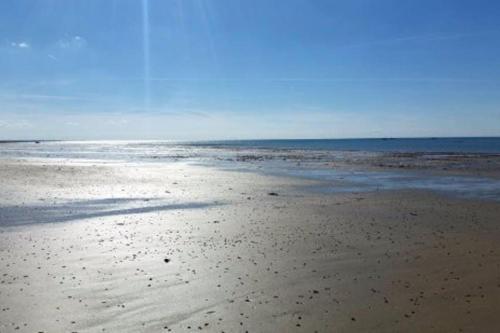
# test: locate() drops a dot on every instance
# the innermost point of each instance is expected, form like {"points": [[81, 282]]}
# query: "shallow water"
{"points": [[363, 181], [228, 155], [339, 180]]}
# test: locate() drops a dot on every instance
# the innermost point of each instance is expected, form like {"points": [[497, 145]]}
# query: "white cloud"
{"points": [[73, 43], [20, 45]]}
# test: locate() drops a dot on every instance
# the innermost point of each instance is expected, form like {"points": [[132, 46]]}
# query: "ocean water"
{"points": [[296, 158], [407, 145], [183, 149]]}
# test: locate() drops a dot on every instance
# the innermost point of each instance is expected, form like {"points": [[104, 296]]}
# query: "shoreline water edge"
{"points": [[404, 164]]}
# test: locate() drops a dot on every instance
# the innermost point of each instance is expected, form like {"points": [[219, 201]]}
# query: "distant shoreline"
{"points": [[28, 141]]}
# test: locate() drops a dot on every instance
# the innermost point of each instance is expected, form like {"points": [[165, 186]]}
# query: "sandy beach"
{"points": [[249, 166], [90, 246]]}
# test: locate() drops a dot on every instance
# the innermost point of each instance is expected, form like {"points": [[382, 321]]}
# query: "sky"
{"points": [[259, 69]]}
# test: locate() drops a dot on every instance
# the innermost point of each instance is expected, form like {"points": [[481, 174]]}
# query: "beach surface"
{"points": [[111, 246]]}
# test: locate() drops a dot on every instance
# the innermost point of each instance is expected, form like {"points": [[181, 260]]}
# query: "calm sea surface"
{"points": [[159, 149], [438, 145]]}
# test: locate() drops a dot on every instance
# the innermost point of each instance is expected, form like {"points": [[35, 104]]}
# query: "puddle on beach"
{"points": [[363, 181], [345, 181]]}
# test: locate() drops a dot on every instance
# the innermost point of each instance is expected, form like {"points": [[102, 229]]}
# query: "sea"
{"points": [[428, 145], [458, 145], [286, 157]]}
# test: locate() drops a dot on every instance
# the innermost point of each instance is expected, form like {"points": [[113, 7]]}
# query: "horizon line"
{"points": [[261, 139]]}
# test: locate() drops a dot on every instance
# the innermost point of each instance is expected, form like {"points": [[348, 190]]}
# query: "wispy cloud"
{"points": [[72, 43], [419, 38], [43, 97], [53, 48], [166, 111], [292, 79], [20, 45]]}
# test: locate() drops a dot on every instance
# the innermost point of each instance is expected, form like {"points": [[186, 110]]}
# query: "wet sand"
{"points": [[138, 247]]}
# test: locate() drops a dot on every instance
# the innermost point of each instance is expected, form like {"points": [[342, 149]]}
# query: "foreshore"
{"points": [[88, 246]]}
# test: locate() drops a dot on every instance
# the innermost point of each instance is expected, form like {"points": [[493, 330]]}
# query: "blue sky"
{"points": [[219, 69]]}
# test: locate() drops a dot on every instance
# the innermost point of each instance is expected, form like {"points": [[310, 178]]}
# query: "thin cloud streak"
{"points": [[427, 37], [311, 79], [43, 97], [72, 43]]}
